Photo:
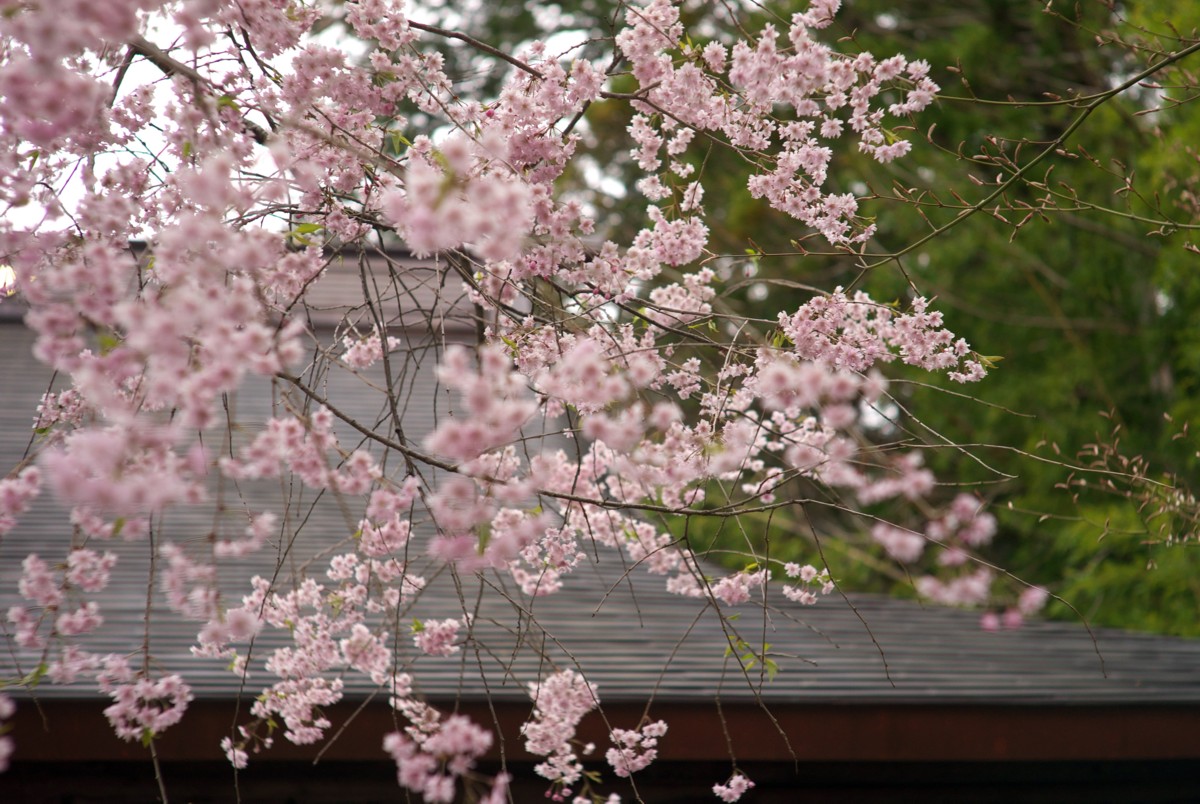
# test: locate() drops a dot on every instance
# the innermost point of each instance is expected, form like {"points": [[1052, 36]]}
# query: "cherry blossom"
{"points": [[185, 231], [734, 789], [560, 702]]}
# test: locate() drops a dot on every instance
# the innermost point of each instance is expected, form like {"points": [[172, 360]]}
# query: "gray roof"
{"points": [[630, 637], [634, 641]]}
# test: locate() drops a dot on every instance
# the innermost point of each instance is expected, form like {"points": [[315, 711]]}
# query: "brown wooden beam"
{"points": [[62, 731]]}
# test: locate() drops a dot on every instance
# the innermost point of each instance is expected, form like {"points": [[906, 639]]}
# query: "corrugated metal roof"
{"points": [[632, 638]]}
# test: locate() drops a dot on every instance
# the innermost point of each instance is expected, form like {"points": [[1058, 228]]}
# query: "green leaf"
{"points": [[399, 139], [31, 679]]}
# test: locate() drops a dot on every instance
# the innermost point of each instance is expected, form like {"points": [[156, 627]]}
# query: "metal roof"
{"points": [[632, 638]]}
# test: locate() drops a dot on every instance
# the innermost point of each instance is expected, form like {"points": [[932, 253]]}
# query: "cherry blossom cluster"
{"points": [[495, 402], [964, 525], [1031, 600], [57, 607], [971, 588], [16, 493], [855, 333], [334, 627], [958, 533], [124, 471], [303, 447], [437, 637], [182, 222], [711, 89], [434, 753], [809, 583], [329, 631], [560, 702], [362, 353], [734, 789], [145, 708], [634, 749], [65, 408]]}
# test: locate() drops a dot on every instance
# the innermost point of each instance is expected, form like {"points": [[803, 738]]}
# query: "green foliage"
{"points": [[1091, 304], [749, 657], [1119, 579]]}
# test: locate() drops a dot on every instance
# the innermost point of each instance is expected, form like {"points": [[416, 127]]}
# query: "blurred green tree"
{"points": [[1080, 275]]}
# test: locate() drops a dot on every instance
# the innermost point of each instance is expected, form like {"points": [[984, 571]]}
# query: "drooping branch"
{"points": [[171, 66]]}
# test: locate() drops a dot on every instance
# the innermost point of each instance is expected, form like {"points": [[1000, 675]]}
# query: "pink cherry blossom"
{"points": [[734, 789], [210, 272]]}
